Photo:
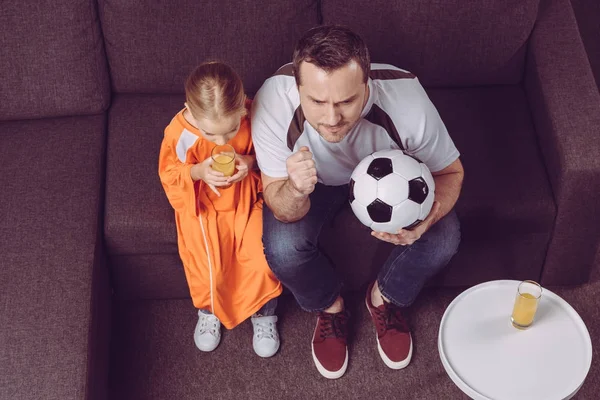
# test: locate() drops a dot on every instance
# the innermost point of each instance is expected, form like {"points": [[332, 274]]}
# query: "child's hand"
{"points": [[214, 179], [243, 165]]}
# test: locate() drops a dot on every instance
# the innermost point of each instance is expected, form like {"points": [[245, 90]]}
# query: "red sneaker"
{"points": [[394, 341], [329, 344]]}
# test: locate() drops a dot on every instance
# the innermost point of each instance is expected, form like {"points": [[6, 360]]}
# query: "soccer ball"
{"points": [[390, 190]]}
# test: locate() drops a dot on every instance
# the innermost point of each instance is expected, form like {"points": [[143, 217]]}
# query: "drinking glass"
{"points": [[223, 157], [526, 304]]}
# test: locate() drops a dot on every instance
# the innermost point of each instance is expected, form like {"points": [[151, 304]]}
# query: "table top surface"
{"points": [[487, 358]]}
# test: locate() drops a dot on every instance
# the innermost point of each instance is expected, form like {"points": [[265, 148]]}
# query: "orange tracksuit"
{"points": [[219, 238]]}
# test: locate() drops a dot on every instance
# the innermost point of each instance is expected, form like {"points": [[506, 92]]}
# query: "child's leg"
{"points": [[267, 309], [207, 334], [265, 340]]}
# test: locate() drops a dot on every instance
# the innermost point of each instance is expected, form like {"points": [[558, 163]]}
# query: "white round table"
{"points": [[489, 359]]}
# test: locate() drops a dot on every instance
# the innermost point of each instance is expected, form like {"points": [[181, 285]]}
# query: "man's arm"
{"points": [[448, 183], [288, 197], [286, 203]]}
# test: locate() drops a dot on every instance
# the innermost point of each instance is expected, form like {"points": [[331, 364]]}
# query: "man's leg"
{"points": [[294, 257], [408, 268], [401, 279], [293, 254]]}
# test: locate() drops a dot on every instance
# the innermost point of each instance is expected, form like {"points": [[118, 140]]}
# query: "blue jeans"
{"points": [[294, 257]]}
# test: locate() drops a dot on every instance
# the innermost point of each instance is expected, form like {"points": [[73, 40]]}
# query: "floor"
{"points": [[154, 356]]}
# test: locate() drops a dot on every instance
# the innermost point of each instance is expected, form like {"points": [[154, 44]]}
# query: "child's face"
{"points": [[219, 131]]}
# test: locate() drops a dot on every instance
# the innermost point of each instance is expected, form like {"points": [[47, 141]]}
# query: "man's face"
{"points": [[332, 102]]}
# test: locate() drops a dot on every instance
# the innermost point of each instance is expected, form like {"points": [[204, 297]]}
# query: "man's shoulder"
{"points": [[281, 83], [390, 80], [278, 96], [395, 85], [388, 72]]}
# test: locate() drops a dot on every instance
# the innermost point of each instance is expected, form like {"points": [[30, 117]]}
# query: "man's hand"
{"points": [[406, 237], [214, 179], [243, 164], [302, 173]]}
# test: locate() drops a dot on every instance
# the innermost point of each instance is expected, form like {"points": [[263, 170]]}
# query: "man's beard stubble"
{"points": [[337, 137]]}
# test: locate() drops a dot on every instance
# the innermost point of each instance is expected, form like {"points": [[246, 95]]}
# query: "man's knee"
{"points": [[445, 237], [287, 246], [287, 249]]}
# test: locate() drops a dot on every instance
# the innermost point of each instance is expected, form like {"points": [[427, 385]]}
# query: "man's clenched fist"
{"points": [[301, 171]]}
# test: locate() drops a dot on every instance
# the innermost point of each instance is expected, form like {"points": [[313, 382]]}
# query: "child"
{"points": [[219, 230]]}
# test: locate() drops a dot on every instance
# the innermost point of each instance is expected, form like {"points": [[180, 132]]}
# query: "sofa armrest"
{"points": [[54, 283], [565, 105]]}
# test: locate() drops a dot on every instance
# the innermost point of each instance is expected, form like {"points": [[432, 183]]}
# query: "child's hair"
{"points": [[214, 90]]}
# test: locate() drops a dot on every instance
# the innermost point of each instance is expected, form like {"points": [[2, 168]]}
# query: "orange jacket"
{"points": [[219, 238]]}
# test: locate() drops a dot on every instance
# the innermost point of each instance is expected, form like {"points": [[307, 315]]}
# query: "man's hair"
{"points": [[330, 47], [214, 90]]}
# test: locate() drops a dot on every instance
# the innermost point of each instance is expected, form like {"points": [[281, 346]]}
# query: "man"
{"points": [[312, 123]]}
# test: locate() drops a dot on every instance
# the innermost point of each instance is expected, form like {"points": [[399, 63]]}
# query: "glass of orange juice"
{"points": [[223, 157], [526, 304]]}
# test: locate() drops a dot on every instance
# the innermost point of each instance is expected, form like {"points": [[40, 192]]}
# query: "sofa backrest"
{"points": [[52, 60], [445, 43], [152, 46]]}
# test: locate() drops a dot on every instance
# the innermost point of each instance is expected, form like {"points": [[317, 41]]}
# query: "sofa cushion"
{"points": [[152, 47], [138, 217], [445, 43], [506, 208], [140, 232], [52, 174], [148, 276], [52, 60]]}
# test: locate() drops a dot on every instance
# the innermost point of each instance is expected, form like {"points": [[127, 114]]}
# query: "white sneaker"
{"points": [[208, 332], [266, 339]]}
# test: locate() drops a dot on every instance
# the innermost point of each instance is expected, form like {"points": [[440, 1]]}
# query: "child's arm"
{"points": [[244, 164], [176, 178], [203, 172]]}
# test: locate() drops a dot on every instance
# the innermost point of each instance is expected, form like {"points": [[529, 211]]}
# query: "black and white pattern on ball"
{"points": [[390, 190], [418, 190], [379, 211], [351, 190], [380, 167]]}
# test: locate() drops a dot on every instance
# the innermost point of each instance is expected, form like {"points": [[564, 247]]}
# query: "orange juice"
{"points": [[224, 163], [524, 310]]}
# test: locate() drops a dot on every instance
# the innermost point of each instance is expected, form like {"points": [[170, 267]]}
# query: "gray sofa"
{"points": [[93, 298]]}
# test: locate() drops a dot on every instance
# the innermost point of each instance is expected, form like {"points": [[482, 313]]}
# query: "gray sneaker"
{"points": [[208, 332], [266, 339]]}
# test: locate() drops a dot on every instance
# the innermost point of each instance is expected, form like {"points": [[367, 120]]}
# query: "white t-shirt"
{"points": [[397, 115]]}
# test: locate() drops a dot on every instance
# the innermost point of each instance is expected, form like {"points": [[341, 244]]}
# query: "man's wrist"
{"points": [[295, 193]]}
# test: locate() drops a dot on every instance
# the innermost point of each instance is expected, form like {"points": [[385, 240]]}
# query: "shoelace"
{"points": [[264, 330], [209, 323], [391, 317], [333, 325]]}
